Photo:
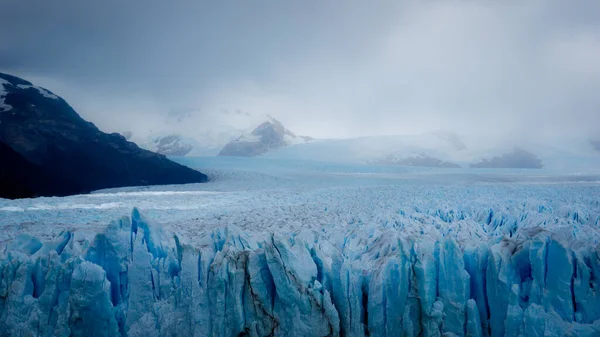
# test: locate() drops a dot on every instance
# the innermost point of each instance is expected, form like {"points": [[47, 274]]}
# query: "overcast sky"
{"points": [[324, 68]]}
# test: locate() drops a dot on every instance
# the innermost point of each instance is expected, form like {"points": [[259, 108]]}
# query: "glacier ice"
{"points": [[293, 248], [135, 278]]}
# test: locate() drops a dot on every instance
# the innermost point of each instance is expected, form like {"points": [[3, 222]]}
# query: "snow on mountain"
{"points": [[558, 154], [427, 149], [204, 141], [3, 92], [170, 145], [198, 134], [268, 136], [328, 250], [421, 160], [377, 148], [42, 91], [517, 158]]}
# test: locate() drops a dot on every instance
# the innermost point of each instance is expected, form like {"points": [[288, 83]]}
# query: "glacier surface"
{"points": [[308, 249]]}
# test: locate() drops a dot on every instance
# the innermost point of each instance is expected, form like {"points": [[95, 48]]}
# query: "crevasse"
{"points": [[136, 279]]}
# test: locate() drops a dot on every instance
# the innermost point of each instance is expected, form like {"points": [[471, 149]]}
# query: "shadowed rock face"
{"points": [[270, 135], [518, 158], [49, 150]]}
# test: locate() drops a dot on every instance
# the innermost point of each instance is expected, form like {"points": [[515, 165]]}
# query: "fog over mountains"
{"points": [[323, 70]]}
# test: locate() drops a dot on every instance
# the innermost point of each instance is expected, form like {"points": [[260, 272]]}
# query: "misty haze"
{"points": [[300, 168]]}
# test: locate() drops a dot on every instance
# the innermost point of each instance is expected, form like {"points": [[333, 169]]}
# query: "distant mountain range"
{"points": [[421, 160], [518, 158], [239, 133], [437, 149], [47, 149], [247, 135], [445, 149]]}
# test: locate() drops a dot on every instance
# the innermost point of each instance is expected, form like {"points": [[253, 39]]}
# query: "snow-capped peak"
{"points": [[269, 135]]}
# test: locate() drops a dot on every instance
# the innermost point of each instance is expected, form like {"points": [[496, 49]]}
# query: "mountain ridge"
{"points": [[42, 136]]}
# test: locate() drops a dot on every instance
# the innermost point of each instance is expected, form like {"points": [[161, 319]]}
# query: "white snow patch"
{"points": [[3, 106], [41, 90], [293, 140]]}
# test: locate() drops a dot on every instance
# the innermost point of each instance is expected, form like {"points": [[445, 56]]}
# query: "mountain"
{"points": [[382, 149], [205, 142], [173, 143], [518, 158], [421, 160], [47, 149], [430, 144], [193, 133], [432, 149], [270, 135]]}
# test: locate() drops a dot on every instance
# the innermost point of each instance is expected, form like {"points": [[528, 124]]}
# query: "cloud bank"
{"points": [[324, 68]]}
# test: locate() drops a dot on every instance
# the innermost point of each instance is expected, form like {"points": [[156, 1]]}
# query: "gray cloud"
{"points": [[325, 69]]}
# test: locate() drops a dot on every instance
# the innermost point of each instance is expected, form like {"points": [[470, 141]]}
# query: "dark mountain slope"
{"points": [[47, 149]]}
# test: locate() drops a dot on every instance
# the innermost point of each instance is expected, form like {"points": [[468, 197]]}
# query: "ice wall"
{"points": [[135, 279]]}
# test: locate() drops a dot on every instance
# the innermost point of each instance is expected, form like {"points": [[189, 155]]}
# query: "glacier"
{"points": [[383, 255]]}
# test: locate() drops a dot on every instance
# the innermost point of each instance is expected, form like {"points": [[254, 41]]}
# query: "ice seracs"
{"points": [[134, 278]]}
